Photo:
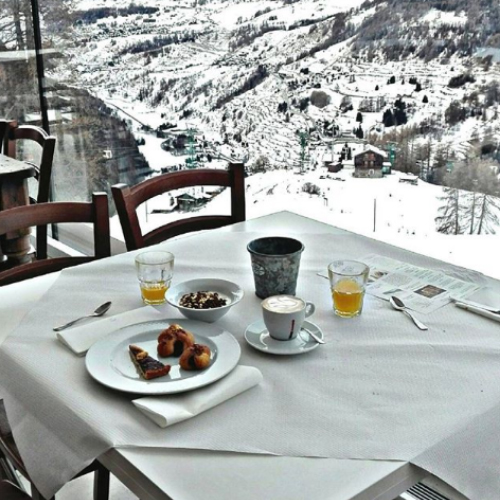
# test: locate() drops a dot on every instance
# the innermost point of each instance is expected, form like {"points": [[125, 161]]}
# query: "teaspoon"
{"points": [[311, 334], [399, 305], [98, 312]]}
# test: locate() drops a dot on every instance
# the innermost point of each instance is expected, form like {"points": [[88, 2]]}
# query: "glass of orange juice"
{"points": [[347, 282], [154, 270]]}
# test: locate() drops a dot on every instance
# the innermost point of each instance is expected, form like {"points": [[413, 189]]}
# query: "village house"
{"points": [[370, 163], [356, 155]]}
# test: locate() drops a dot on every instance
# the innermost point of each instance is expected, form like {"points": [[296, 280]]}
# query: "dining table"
{"points": [[14, 175], [379, 407]]}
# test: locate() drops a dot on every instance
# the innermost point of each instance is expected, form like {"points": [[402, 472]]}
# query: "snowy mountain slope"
{"points": [[208, 78], [244, 74]]}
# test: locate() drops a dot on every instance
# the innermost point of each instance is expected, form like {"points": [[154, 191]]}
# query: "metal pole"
{"points": [[40, 70], [374, 213], [40, 73]]}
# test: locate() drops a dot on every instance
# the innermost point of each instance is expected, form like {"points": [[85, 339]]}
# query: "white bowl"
{"points": [[227, 290]]}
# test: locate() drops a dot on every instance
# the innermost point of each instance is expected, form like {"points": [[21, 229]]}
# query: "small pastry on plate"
{"points": [[147, 366], [174, 340], [196, 357]]}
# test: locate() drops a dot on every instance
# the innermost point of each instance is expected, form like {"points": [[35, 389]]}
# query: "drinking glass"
{"points": [[154, 270], [347, 282]]}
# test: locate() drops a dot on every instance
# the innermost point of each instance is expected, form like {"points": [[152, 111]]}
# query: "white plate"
{"points": [[108, 360], [258, 336]]}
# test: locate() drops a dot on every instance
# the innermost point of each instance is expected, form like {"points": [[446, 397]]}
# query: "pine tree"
{"points": [[400, 117], [425, 100], [359, 117], [455, 113], [388, 118]]}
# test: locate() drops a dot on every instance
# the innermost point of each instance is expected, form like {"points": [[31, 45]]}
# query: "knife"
{"points": [[478, 305], [479, 310]]}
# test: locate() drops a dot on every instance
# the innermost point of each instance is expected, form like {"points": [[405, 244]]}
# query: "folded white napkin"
{"points": [[80, 338], [169, 410]]}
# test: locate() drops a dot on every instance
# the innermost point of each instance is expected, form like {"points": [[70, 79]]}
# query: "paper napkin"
{"points": [[80, 338], [169, 410]]}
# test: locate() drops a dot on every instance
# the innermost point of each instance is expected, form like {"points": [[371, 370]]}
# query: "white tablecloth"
{"points": [[379, 389]]}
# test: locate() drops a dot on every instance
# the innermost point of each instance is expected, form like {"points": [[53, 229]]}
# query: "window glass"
{"points": [[95, 147], [19, 98], [300, 91]]}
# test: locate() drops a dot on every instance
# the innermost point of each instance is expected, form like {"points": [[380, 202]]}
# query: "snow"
{"points": [[404, 213], [437, 17], [228, 18], [359, 18]]}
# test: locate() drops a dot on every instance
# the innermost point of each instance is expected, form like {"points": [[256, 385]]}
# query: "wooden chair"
{"points": [[9, 449], [17, 218], [127, 199], [9, 491], [47, 142], [5, 126], [95, 212], [43, 169]]}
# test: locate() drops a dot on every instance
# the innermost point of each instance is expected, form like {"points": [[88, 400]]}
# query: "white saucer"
{"points": [[258, 337]]}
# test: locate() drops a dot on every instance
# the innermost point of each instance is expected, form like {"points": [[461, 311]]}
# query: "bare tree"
{"points": [[448, 222], [488, 219], [471, 198], [16, 22], [18, 77], [488, 203], [16, 26]]}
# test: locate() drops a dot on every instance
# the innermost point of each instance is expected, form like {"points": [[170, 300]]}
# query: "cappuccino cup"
{"points": [[284, 315]]}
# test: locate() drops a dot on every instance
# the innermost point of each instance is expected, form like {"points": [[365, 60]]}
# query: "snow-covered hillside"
{"points": [[223, 68], [285, 84]]}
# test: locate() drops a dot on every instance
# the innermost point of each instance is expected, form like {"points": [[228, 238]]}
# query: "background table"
{"points": [[162, 474], [14, 175]]}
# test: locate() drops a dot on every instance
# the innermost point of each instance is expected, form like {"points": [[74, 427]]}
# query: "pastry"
{"points": [[174, 340], [147, 366], [196, 357]]}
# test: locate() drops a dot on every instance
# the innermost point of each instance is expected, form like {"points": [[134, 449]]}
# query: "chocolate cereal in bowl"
{"points": [[204, 299]]}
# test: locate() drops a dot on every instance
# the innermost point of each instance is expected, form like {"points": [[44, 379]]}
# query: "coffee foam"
{"points": [[283, 304]]}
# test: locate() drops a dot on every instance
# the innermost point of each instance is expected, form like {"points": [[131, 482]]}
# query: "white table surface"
{"points": [[181, 474]]}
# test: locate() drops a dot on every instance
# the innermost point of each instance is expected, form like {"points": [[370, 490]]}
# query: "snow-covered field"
{"points": [[404, 213]]}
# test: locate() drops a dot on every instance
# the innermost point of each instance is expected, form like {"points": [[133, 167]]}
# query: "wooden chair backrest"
{"points": [[41, 214], [47, 143], [43, 170], [127, 199]]}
